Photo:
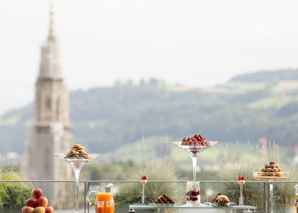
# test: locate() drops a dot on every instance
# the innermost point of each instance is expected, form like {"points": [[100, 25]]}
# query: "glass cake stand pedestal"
{"points": [[194, 152], [77, 165], [271, 180]]}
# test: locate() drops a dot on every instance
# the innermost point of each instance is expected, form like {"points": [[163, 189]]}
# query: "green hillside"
{"points": [[108, 118]]}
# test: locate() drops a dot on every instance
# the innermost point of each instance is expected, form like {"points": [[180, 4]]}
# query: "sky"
{"points": [[196, 43]]}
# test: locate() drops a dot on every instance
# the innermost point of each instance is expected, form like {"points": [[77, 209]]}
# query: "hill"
{"points": [[105, 119], [267, 76]]}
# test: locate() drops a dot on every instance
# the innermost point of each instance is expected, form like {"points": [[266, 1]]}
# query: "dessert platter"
{"points": [[271, 171], [77, 158]]}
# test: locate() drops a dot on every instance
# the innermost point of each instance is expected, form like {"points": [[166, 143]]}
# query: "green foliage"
{"points": [[107, 171], [154, 169], [13, 195]]}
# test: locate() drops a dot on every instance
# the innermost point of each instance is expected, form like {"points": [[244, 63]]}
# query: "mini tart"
{"points": [[271, 173], [279, 174]]}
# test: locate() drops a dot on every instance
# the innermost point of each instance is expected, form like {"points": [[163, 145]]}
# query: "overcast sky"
{"points": [[192, 42]]}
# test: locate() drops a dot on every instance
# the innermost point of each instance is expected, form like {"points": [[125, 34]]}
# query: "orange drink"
{"points": [[105, 197], [99, 207], [110, 207]]}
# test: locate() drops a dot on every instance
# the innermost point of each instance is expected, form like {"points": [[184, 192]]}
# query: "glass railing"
{"points": [[61, 193]]}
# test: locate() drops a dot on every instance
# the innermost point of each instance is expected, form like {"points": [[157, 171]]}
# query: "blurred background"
{"points": [[148, 72]]}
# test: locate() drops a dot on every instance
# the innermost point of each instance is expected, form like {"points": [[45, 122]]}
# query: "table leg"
{"points": [[271, 195]]}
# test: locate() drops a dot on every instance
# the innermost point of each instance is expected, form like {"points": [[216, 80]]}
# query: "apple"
{"points": [[36, 193], [40, 209], [49, 209], [32, 202], [28, 209], [42, 201]]}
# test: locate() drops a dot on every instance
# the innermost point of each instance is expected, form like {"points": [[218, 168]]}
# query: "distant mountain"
{"points": [[105, 119], [268, 76]]}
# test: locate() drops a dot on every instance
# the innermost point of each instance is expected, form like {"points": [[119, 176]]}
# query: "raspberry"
{"points": [[143, 178], [201, 137]]}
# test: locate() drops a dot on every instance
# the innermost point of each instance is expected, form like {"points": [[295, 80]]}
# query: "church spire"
{"points": [[51, 31], [50, 64]]}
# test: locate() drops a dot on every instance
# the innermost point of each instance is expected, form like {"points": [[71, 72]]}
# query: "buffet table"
{"points": [[202, 208]]}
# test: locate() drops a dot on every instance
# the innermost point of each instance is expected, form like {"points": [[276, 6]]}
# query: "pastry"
{"points": [[222, 200], [164, 199], [77, 152]]}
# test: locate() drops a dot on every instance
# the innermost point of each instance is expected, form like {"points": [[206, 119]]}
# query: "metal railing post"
{"points": [[265, 198], [88, 188], [85, 196]]}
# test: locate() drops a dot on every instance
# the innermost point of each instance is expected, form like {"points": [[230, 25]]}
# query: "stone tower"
{"points": [[49, 132]]}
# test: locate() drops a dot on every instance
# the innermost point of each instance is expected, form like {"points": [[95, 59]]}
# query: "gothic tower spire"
{"points": [[50, 63], [51, 36]]}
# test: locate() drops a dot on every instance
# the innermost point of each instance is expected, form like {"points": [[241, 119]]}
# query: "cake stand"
{"points": [[77, 165], [194, 152], [270, 180]]}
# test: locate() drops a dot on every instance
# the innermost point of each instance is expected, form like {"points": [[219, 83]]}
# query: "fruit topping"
{"points": [[196, 140], [143, 180], [241, 180], [193, 194]]}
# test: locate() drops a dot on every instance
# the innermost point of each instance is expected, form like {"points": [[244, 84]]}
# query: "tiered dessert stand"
{"points": [[77, 165], [271, 180]]}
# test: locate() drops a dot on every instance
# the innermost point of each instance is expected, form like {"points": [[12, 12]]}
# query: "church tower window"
{"points": [[58, 109], [48, 103]]}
